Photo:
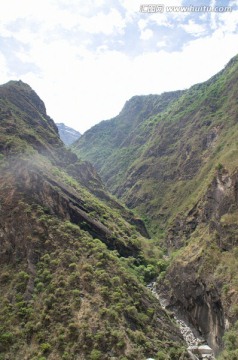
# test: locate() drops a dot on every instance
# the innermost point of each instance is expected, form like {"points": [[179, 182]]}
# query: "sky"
{"points": [[85, 59]]}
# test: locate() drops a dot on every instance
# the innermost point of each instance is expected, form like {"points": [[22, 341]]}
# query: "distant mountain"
{"points": [[174, 158], [73, 259], [67, 134]]}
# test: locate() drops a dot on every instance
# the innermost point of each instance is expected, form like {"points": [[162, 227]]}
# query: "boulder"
{"points": [[205, 350]]}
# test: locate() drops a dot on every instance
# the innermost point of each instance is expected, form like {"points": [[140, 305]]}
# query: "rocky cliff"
{"points": [[203, 274]]}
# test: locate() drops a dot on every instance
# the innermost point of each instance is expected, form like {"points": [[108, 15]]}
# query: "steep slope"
{"points": [[184, 181], [67, 134], [117, 143], [68, 258]]}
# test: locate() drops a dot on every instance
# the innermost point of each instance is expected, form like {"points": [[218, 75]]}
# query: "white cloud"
{"points": [[173, 3], [228, 21], [169, 19], [48, 16], [82, 81], [3, 69], [142, 23], [162, 19], [213, 16], [132, 6], [104, 23], [15, 9], [161, 44], [204, 16], [194, 29], [146, 34], [233, 3], [95, 87]]}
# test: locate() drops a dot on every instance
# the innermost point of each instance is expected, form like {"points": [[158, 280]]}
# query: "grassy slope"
{"points": [[64, 293]]}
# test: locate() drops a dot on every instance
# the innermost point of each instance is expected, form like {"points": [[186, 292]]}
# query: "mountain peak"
{"points": [[23, 115], [19, 89], [232, 61], [67, 134], [18, 83]]}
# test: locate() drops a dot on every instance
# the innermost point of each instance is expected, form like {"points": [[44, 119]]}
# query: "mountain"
{"points": [[73, 260], [117, 143], [174, 159], [67, 134]]}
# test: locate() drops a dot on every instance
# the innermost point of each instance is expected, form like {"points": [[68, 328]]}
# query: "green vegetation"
{"points": [[231, 344], [70, 286]]}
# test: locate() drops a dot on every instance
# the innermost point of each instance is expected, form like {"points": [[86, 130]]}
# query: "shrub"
{"points": [[40, 286], [6, 339], [73, 330], [76, 292], [65, 355], [23, 275], [5, 277], [45, 347], [162, 265], [234, 310], [230, 340], [72, 266], [95, 355], [219, 167], [46, 258], [161, 356]]}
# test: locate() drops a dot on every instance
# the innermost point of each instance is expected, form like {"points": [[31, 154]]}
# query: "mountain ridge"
{"points": [[73, 263], [178, 170]]}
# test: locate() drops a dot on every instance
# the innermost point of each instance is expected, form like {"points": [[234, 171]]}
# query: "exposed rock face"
{"points": [[65, 204], [67, 134], [201, 306], [197, 349], [220, 199], [200, 297], [203, 352]]}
